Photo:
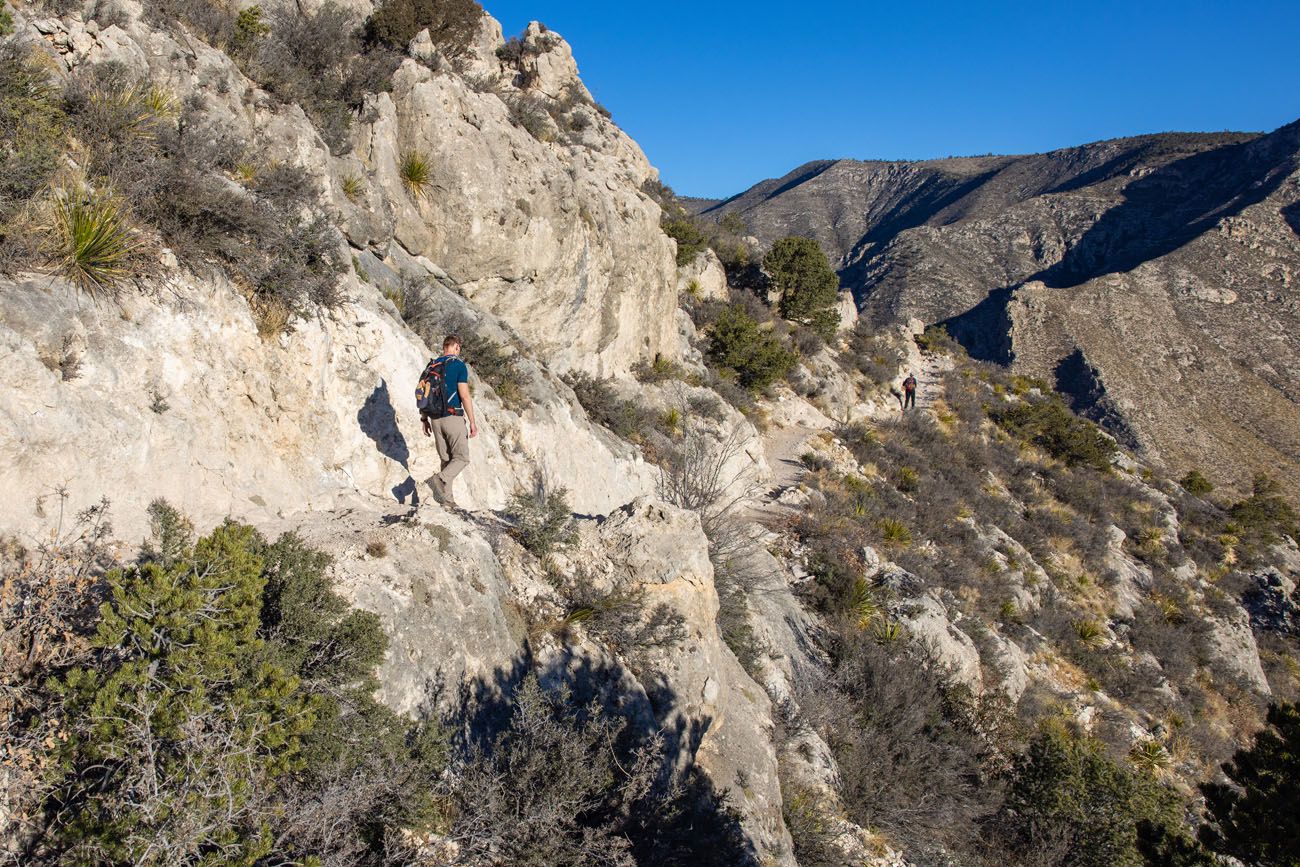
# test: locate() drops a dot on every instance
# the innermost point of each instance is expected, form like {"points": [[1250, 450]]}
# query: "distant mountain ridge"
{"points": [[1137, 274]]}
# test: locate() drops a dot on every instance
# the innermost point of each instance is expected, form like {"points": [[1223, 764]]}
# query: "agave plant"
{"points": [[95, 244]]}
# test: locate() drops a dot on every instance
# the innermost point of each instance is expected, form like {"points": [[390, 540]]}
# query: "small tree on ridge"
{"points": [[809, 286]]}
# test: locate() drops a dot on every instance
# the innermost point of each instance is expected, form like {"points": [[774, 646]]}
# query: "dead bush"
{"points": [[912, 759]]}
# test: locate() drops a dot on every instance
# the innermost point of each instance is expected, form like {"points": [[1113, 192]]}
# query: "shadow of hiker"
{"points": [[378, 421]]}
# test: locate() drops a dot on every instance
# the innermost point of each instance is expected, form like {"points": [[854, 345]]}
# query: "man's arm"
{"points": [[462, 388]]}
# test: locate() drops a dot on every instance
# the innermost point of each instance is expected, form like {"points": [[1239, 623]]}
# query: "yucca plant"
{"points": [[1088, 631], [353, 187], [895, 532], [579, 615], [416, 173], [888, 631], [95, 245], [132, 111], [862, 603], [161, 101], [1150, 755]]}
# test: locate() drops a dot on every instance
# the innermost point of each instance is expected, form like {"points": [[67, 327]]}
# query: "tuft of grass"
{"points": [[895, 532], [271, 314], [659, 370], [887, 632], [416, 173], [353, 187], [95, 244], [398, 297], [1089, 632]]}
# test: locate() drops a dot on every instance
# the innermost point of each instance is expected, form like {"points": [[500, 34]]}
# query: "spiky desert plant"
{"points": [[863, 604], [353, 186], [888, 631], [895, 532], [1089, 632], [1150, 755], [132, 113], [95, 244], [416, 173], [161, 101]]}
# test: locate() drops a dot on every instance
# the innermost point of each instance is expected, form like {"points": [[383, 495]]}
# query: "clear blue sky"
{"points": [[722, 94]]}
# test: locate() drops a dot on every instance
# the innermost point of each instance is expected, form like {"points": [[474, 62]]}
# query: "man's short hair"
{"points": [[451, 340]]}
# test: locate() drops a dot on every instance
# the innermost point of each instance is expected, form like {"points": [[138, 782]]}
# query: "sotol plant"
{"points": [[353, 187], [95, 244], [416, 173]]}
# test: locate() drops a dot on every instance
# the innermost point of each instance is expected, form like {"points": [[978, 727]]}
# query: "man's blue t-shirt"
{"points": [[454, 372]]}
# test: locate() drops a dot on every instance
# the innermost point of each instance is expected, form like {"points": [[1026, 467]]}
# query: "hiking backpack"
{"points": [[431, 393]]}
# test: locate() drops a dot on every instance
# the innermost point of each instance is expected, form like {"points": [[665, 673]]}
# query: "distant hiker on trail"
{"points": [[445, 404], [909, 392]]}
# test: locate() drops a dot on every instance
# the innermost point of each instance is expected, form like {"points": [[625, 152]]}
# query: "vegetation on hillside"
{"points": [[693, 234], [1004, 452], [212, 701], [452, 24], [150, 171], [1253, 816]]}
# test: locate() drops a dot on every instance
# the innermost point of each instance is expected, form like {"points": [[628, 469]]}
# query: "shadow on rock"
{"points": [[1175, 203], [378, 421], [574, 729]]}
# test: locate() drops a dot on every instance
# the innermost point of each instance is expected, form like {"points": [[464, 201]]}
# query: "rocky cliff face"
{"points": [[1151, 278], [543, 241], [550, 232]]}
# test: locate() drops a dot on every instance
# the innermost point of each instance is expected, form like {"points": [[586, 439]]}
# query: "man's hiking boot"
{"points": [[440, 492]]}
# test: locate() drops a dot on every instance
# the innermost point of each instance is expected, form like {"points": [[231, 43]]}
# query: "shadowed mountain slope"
{"points": [[1153, 278]]}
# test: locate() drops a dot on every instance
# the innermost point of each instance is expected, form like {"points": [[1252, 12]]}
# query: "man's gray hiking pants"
{"points": [[451, 434]]}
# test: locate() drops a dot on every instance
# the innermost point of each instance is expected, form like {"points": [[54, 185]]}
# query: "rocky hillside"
{"points": [[705, 596], [1150, 278]]}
